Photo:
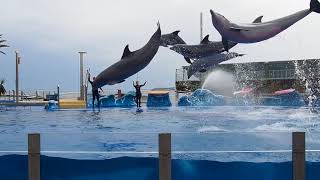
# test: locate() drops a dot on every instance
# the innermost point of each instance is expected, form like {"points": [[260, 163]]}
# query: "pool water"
{"points": [[200, 135]]}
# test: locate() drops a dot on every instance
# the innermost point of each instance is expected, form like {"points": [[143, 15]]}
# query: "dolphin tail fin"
{"points": [[189, 73], [315, 6]]}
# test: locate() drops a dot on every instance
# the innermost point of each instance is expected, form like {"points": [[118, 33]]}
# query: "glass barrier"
{"points": [[236, 166], [99, 146], [313, 164], [249, 155], [124, 167]]}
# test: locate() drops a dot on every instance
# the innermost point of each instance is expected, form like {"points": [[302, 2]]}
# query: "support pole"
{"points": [[13, 95], [81, 76], [298, 156], [17, 76], [34, 156], [165, 156], [201, 26], [58, 95]]}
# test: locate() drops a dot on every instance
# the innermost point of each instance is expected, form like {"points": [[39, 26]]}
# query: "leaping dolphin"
{"points": [[203, 64], [256, 32], [205, 48], [171, 39], [130, 63]]}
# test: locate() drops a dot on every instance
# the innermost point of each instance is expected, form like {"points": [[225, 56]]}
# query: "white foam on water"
{"points": [[279, 127], [210, 129]]}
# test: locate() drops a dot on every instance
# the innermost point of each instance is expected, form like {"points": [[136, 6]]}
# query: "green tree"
{"points": [[2, 89], [2, 45]]}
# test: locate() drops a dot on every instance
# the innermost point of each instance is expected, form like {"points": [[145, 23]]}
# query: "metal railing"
{"points": [[267, 75]]}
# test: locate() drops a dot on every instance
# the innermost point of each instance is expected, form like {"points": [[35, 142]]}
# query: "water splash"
{"points": [[220, 82], [307, 73]]}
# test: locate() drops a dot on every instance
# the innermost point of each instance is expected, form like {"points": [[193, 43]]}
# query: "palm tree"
{"points": [[2, 45], [2, 89]]}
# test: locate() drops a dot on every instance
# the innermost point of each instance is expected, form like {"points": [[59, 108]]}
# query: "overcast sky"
{"points": [[48, 34]]}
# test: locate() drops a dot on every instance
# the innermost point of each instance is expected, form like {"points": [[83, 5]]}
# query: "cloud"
{"points": [[50, 33]]}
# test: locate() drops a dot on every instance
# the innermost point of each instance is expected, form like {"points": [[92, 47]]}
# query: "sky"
{"points": [[49, 34]]}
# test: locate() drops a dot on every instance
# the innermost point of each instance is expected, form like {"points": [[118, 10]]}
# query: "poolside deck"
{"points": [[24, 103]]}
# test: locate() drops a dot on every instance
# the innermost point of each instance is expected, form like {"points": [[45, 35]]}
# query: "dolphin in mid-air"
{"points": [[256, 32], [205, 48], [130, 63], [171, 39], [203, 64]]}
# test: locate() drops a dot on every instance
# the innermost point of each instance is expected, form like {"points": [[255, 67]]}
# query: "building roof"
{"points": [[245, 60]]}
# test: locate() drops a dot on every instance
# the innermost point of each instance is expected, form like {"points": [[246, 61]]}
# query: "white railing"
{"points": [[266, 75]]}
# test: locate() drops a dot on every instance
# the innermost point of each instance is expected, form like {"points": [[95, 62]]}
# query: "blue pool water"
{"points": [[224, 138]]}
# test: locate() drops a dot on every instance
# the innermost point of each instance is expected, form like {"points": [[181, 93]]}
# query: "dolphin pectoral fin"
{"points": [[258, 19], [238, 29], [126, 52], [176, 32], [188, 60], [225, 44], [121, 81], [205, 40]]}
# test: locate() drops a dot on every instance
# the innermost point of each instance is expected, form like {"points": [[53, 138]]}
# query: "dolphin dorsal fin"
{"points": [[175, 32], [205, 40], [126, 52], [258, 19]]}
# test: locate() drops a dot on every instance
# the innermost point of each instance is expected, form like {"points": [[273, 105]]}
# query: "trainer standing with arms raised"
{"points": [[138, 92], [95, 92]]}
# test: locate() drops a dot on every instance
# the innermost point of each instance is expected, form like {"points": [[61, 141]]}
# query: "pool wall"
{"points": [[15, 167]]}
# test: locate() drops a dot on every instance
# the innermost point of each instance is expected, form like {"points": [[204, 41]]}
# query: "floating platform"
{"points": [[158, 99], [158, 92], [71, 104]]}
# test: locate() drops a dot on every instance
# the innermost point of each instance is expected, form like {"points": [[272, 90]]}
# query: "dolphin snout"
{"points": [[212, 12]]}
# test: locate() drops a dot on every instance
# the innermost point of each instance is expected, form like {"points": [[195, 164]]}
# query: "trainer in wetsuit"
{"points": [[138, 92], [95, 92]]}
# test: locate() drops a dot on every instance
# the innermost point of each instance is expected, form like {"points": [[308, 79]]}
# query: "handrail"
{"points": [[156, 152]]}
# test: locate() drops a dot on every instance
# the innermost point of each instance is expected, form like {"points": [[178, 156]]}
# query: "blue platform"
{"points": [[290, 99], [111, 101], [202, 97], [159, 99]]}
